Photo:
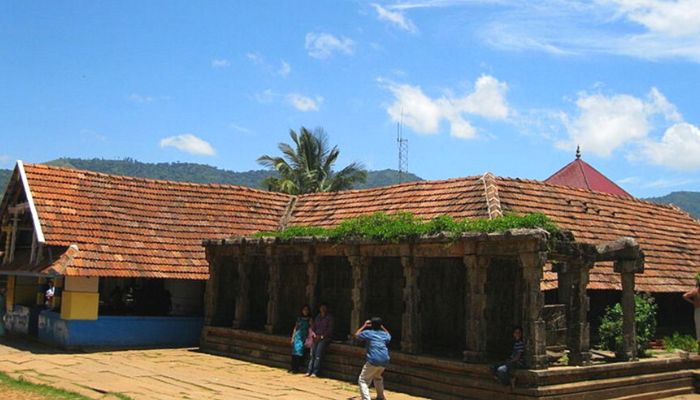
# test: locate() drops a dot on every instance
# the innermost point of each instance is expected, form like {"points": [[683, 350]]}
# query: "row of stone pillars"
{"points": [[476, 262]]}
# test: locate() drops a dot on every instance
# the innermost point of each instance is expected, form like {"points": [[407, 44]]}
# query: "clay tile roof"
{"points": [[461, 198], [127, 226], [669, 237], [580, 174]]}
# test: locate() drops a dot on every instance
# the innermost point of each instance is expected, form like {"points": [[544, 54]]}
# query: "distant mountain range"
{"points": [[200, 173]]}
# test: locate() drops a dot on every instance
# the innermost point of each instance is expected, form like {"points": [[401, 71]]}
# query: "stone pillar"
{"points": [[273, 290], [311, 261], [627, 269], [532, 303], [573, 281], [240, 319], [411, 319], [359, 265], [475, 305], [211, 294]]}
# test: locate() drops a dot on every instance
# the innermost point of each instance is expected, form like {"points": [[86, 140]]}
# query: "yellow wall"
{"points": [[79, 305], [10, 293]]}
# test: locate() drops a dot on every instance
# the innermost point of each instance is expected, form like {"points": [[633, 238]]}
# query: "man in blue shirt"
{"points": [[504, 371], [377, 337]]}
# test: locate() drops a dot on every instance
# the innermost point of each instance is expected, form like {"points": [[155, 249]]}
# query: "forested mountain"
{"points": [[191, 172], [200, 173], [688, 201]]}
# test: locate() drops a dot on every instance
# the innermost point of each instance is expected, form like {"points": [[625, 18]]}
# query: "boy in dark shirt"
{"points": [[516, 360], [377, 337]]}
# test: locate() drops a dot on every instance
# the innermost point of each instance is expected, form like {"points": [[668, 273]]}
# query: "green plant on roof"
{"points": [[404, 225], [697, 277]]}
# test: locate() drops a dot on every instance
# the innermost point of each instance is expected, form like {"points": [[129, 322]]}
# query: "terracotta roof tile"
{"points": [[127, 226]]}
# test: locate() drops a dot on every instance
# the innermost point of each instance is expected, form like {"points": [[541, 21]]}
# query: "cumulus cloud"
{"points": [[679, 148], [323, 45], [188, 143], [424, 114], [605, 123], [396, 18], [304, 103], [220, 63], [140, 98]]}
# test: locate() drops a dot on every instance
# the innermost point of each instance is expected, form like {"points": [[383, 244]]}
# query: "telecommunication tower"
{"points": [[403, 150]]}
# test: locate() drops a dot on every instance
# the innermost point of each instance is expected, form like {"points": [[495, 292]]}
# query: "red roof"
{"points": [[580, 174]]}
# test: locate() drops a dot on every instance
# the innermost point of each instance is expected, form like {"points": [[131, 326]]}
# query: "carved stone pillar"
{"points": [[475, 307], [359, 266], [273, 290], [211, 294], [311, 261], [411, 319], [627, 269], [242, 294], [573, 281], [532, 303]]}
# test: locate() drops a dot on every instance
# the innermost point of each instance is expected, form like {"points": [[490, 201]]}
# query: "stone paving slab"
{"points": [[165, 374]]}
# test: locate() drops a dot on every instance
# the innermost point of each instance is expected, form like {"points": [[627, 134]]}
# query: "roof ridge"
{"points": [[288, 213], [493, 201], [162, 181]]}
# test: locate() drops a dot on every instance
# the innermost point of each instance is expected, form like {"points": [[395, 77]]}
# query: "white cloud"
{"points": [[304, 103], [140, 99], [322, 45], [5, 159], [396, 18], [647, 29], [285, 69], [239, 128], [606, 123], [424, 114], [220, 63], [188, 143], [679, 148], [667, 183], [266, 96], [256, 58]]}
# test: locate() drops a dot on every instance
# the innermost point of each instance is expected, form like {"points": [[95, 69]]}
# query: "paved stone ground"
{"points": [[164, 374]]}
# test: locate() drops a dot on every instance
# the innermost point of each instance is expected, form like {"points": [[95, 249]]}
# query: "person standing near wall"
{"points": [[299, 335], [693, 297], [323, 329], [49, 294], [377, 337]]}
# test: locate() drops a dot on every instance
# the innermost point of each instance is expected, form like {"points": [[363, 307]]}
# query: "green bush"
{"points": [[680, 342], [610, 331], [403, 225]]}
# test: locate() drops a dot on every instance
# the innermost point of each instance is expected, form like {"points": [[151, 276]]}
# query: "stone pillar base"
{"points": [[583, 358], [474, 356]]}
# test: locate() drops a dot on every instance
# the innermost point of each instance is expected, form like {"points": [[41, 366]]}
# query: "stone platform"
{"points": [[450, 379]]}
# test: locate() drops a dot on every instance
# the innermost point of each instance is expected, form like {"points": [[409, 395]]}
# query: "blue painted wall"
{"points": [[119, 331]]}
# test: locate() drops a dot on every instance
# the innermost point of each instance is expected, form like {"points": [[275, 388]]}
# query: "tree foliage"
{"points": [[306, 166], [610, 330]]}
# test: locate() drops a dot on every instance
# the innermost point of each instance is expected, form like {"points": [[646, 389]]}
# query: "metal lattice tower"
{"points": [[403, 151]]}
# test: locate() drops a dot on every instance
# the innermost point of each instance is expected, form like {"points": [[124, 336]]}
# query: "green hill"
{"points": [[688, 201], [191, 172]]}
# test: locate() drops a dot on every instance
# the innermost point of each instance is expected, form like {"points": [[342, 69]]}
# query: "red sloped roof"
{"points": [[580, 174], [127, 226]]}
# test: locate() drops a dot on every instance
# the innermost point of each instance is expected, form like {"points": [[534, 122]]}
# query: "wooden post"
{"points": [[242, 295], [311, 261], [532, 303], [273, 290], [475, 304], [411, 319], [359, 266], [11, 255]]}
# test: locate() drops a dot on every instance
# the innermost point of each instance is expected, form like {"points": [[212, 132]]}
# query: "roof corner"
{"points": [[30, 199]]}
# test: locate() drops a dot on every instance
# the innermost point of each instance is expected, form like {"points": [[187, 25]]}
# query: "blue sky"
{"points": [[506, 86]]}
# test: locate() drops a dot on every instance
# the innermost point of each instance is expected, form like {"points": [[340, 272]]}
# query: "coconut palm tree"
{"points": [[307, 166]]}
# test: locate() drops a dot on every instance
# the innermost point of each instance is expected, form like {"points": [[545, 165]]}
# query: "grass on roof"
{"points": [[400, 226]]}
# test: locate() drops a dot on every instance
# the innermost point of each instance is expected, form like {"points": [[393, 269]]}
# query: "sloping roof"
{"points": [[140, 227], [125, 226], [580, 174], [669, 237]]}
